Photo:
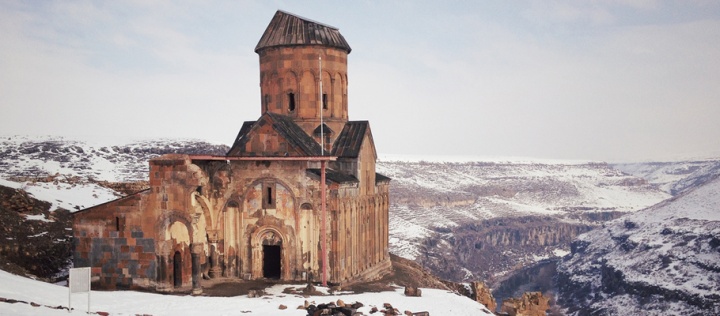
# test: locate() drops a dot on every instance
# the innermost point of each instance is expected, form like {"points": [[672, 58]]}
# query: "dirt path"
{"points": [[404, 273]]}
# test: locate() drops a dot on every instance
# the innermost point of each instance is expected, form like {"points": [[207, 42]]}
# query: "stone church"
{"points": [[296, 198]]}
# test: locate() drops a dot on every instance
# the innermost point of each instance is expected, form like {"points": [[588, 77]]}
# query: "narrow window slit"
{"points": [[291, 101]]}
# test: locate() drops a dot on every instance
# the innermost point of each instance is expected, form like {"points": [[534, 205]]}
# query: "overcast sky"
{"points": [[600, 80]]}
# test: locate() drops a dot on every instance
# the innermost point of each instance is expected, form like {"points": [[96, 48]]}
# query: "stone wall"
{"points": [[294, 69], [210, 219], [109, 241]]}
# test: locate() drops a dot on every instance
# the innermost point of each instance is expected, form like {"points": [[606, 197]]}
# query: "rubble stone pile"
{"points": [[340, 308], [530, 304]]}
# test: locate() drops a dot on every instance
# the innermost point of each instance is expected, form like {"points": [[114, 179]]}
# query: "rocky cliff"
{"points": [[487, 248], [466, 221], [32, 239], [661, 261]]}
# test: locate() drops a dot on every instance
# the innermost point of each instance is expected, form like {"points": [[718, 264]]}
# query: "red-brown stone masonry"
{"points": [[295, 68], [108, 238], [127, 258]]}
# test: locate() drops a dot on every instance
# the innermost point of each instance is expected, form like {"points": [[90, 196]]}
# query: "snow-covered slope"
{"points": [[674, 177], [664, 260], [436, 302], [65, 171], [101, 159], [449, 215], [71, 197], [427, 195]]}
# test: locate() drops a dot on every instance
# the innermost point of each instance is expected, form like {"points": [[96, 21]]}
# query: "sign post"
{"points": [[79, 282]]}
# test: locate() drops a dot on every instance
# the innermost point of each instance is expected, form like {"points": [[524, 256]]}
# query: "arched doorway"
{"points": [[271, 261], [177, 269], [272, 256]]}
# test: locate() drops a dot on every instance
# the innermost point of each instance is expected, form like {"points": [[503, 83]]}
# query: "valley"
{"points": [[502, 222]]}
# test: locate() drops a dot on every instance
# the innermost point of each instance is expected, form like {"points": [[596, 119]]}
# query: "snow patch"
{"points": [[436, 302]]}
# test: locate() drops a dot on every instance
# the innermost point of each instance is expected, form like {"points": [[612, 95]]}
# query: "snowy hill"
{"points": [[472, 219], [66, 172], [659, 261], [478, 220], [674, 177], [44, 297], [101, 159]]}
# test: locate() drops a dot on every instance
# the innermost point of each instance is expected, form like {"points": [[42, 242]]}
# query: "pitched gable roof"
{"points": [[381, 178], [292, 134], [334, 176], [287, 29], [350, 140], [241, 137], [323, 129]]}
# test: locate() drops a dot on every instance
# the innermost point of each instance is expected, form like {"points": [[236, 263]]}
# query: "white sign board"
{"points": [[79, 282]]}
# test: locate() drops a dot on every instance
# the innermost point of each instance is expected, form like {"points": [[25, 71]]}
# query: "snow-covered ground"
{"points": [[76, 164], [674, 177], [666, 257], [436, 302], [464, 159], [71, 197], [105, 159], [427, 195]]}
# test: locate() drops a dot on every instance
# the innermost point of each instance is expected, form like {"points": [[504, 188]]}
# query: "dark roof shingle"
{"points": [[325, 130], [285, 126], [381, 178], [349, 142], [335, 176], [287, 29]]}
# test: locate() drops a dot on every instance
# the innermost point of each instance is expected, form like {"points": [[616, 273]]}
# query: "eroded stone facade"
{"points": [[256, 212]]}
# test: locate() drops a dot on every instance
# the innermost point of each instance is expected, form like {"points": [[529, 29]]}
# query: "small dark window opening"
{"points": [[269, 200], [117, 223], [267, 102], [291, 101], [177, 269], [324, 100]]}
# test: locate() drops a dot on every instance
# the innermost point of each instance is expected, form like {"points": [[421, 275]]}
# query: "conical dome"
{"points": [[286, 29]]}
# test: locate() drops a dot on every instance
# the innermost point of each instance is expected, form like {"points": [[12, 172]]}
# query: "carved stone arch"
{"points": [[167, 218], [233, 201], [329, 76], [306, 206], [266, 78], [277, 180], [313, 72], [207, 213], [270, 235], [336, 98], [289, 82]]}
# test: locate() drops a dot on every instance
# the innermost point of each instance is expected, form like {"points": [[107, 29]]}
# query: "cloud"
{"points": [[96, 86], [551, 12], [629, 92], [575, 80]]}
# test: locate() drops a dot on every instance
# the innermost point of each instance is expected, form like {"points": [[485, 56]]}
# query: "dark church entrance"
{"points": [[177, 269], [271, 261]]}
